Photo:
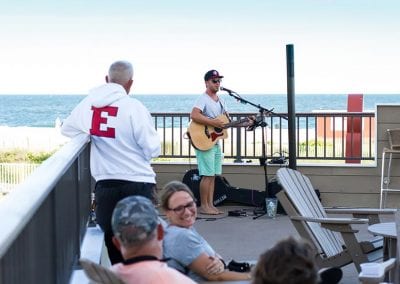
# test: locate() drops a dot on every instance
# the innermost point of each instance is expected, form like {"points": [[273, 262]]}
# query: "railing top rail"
{"points": [[19, 206], [339, 114], [319, 113]]}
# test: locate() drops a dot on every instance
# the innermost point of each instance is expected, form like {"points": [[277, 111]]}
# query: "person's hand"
{"points": [[251, 120], [218, 123], [216, 266], [252, 123]]}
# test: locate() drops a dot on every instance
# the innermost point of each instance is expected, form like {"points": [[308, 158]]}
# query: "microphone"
{"points": [[226, 90]]}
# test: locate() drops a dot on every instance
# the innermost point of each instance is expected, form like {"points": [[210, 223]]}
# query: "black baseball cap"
{"points": [[212, 74]]}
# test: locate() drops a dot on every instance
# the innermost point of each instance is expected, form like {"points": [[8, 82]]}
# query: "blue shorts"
{"points": [[210, 162]]}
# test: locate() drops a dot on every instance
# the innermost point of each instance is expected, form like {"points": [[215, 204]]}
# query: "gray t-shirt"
{"points": [[183, 246], [209, 107]]}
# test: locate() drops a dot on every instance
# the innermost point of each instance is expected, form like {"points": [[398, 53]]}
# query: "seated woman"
{"points": [[188, 251]]}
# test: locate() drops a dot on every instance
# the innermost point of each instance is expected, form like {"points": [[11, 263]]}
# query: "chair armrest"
{"points": [[342, 225], [371, 213], [338, 210], [371, 278], [331, 220], [92, 244]]}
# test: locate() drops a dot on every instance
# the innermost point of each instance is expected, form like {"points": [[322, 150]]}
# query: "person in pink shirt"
{"points": [[138, 234]]}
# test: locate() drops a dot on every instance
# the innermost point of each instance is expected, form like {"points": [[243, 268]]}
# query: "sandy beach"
{"points": [[31, 138]]}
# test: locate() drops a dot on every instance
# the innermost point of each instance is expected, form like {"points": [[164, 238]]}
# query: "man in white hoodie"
{"points": [[123, 142]]}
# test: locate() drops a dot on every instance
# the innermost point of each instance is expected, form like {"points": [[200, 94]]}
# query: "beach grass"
{"points": [[19, 155]]}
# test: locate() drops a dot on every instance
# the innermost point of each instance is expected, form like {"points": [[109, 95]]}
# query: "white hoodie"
{"points": [[122, 134]]}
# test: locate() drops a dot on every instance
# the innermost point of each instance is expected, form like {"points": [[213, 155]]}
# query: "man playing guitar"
{"points": [[207, 110]]}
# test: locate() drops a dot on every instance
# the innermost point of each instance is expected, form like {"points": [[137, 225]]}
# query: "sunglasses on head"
{"points": [[215, 81]]}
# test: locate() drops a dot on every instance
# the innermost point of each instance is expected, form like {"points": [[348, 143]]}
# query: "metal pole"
{"points": [[291, 105], [238, 146]]}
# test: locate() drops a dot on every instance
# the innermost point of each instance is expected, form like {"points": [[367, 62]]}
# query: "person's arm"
{"points": [[78, 121], [197, 116], [69, 129], [204, 261]]}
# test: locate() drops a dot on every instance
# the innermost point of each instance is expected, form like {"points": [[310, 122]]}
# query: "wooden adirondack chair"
{"points": [[333, 238], [99, 274], [383, 268]]}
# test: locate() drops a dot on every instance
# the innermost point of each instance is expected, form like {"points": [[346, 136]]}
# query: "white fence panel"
{"points": [[12, 174]]}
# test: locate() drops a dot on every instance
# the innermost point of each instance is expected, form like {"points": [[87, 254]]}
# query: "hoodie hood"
{"points": [[107, 94]]}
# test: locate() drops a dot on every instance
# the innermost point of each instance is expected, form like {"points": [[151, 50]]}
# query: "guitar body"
{"points": [[204, 137]]}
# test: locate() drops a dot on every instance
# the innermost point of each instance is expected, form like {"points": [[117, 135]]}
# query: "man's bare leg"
{"points": [[206, 185], [211, 198]]}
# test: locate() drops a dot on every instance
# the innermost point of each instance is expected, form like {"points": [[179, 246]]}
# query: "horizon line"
{"points": [[196, 94]]}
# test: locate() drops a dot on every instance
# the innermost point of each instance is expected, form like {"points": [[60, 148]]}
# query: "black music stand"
{"points": [[259, 122]]}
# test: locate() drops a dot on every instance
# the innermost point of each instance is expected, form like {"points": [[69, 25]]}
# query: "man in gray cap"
{"points": [[138, 234]]}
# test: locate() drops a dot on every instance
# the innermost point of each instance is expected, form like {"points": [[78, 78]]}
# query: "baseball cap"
{"points": [[211, 75], [134, 218]]}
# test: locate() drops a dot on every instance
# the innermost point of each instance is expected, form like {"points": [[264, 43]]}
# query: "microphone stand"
{"points": [[260, 121]]}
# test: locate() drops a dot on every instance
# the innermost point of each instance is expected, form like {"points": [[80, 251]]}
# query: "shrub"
{"points": [[23, 156]]}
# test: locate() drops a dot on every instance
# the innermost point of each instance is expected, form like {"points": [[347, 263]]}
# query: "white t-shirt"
{"points": [[209, 107]]}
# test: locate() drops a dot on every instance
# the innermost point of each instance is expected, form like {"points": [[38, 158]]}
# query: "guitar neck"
{"points": [[234, 123]]}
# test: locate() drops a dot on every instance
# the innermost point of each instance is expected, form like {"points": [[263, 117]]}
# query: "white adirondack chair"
{"points": [[333, 238], [99, 274], [381, 269]]}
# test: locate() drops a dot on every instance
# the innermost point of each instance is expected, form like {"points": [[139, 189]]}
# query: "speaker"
{"points": [[223, 191]]}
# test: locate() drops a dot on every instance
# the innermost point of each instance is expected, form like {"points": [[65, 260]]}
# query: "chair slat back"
{"points": [[302, 194], [394, 138], [99, 274], [397, 265]]}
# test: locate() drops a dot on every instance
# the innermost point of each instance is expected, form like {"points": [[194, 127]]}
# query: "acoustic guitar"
{"points": [[204, 137]]}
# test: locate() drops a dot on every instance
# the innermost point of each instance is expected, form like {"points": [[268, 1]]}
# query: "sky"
{"points": [[66, 47]]}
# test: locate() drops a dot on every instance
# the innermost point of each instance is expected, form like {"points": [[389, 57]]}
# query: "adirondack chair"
{"points": [[381, 269], [333, 238], [99, 274]]}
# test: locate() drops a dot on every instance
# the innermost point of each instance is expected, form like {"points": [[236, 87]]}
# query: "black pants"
{"points": [[107, 195]]}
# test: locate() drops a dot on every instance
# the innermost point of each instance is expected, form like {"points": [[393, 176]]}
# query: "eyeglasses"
{"points": [[181, 209], [216, 81]]}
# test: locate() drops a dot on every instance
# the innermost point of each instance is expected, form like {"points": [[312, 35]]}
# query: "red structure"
{"points": [[354, 128]]}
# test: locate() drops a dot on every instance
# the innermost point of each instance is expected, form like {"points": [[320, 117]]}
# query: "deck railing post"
{"points": [[291, 106], [238, 158]]}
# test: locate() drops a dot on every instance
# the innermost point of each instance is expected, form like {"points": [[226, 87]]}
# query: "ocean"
{"points": [[44, 110]]}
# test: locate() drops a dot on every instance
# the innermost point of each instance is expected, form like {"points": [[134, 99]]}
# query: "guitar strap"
{"points": [[224, 110]]}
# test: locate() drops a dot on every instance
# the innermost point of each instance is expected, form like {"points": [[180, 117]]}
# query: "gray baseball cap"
{"points": [[134, 219]]}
